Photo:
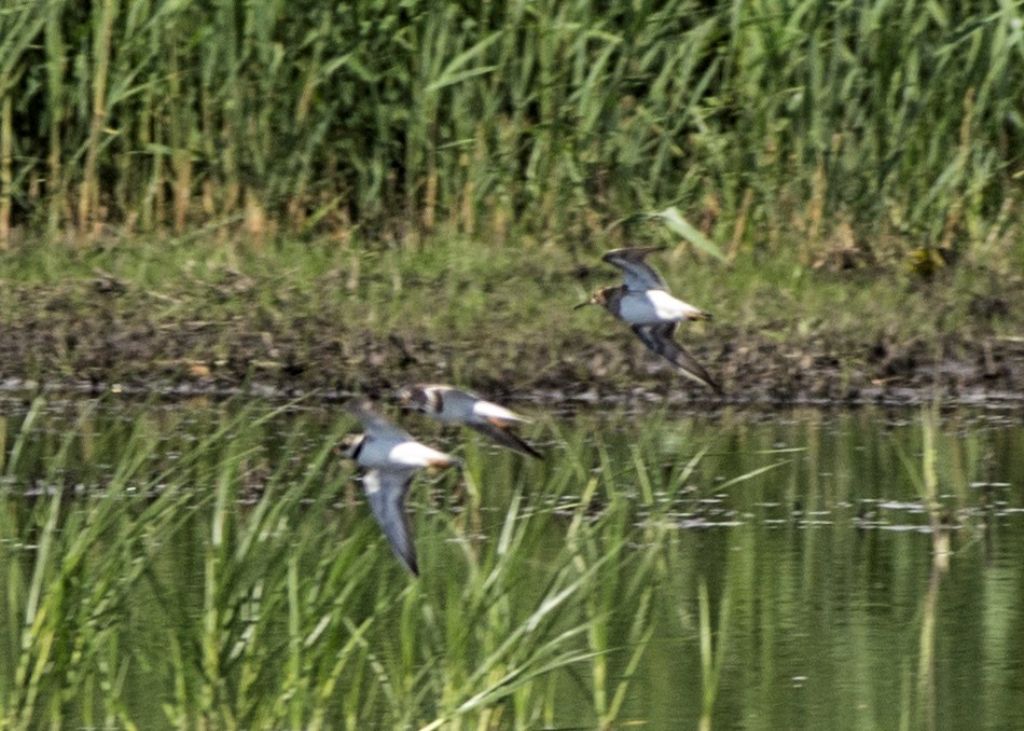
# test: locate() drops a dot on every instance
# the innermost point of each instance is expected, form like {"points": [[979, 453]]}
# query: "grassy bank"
{"points": [[315, 314], [861, 130]]}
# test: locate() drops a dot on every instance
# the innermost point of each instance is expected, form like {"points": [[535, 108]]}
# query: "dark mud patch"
{"points": [[87, 345]]}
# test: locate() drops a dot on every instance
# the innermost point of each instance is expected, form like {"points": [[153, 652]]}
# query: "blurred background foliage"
{"points": [[855, 131]]}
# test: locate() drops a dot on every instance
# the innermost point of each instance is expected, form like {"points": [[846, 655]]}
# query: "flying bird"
{"points": [[450, 405], [390, 458], [644, 303]]}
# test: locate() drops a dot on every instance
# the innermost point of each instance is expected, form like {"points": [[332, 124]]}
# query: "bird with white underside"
{"points": [[390, 458], [644, 303], [450, 405]]}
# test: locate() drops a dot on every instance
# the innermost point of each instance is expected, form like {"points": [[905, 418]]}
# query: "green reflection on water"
{"points": [[191, 564]]}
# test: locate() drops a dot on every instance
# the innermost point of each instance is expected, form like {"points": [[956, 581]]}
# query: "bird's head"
{"points": [[412, 397], [599, 297], [419, 398], [350, 445]]}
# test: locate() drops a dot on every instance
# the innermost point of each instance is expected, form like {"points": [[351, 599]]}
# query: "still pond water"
{"points": [[834, 597]]}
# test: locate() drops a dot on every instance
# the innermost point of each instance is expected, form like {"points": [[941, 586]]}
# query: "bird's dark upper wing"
{"points": [[638, 275], [386, 491], [659, 338], [505, 437]]}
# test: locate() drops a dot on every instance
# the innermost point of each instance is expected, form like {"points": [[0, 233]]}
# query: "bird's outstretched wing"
{"points": [[659, 339], [505, 437], [386, 491], [375, 424], [639, 276]]}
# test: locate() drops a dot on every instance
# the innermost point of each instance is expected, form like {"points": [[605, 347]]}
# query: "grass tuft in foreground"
{"points": [[170, 565], [195, 568]]}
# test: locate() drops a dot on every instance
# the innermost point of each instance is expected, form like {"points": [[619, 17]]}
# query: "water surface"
{"points": [[835, 597]]}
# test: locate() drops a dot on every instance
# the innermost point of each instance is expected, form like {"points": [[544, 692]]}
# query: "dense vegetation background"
{"points": [[857, 128]]}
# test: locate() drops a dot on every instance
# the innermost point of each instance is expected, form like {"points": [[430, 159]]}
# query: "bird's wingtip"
{"points": [[640, 251]]}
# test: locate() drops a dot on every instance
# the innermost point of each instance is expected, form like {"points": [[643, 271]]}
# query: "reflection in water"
{"points": [[926, 665], [802, 570]]}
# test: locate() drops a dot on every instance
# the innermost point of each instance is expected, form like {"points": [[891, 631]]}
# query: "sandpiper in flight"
{"points": [[390, 457], [644, 303], [451, 406]]}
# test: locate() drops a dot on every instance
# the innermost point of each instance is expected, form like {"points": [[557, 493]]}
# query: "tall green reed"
{"points": [[761, 121], [207, 568]]}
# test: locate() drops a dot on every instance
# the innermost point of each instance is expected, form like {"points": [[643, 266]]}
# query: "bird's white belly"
{"points": [[653, 306], [414, 454], [487, 411], [388, 454]]}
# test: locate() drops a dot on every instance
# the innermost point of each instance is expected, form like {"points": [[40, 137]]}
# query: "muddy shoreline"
{"points": [[324, 361]]}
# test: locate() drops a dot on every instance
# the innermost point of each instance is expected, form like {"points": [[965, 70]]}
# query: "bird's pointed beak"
{"points": [[581, 304]]}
